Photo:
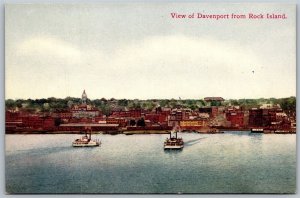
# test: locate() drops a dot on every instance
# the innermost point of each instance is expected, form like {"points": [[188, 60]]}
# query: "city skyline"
{"points": [[145, 99], [60, 50]]}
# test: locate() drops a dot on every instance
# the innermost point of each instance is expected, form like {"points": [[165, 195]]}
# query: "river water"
{"points": [[233, 162]]}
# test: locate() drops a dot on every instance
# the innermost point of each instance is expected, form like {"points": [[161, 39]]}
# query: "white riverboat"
{"points": [[86, 141], [173, 142]]}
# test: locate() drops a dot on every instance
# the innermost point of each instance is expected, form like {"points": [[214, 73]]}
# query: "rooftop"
{"points": [[213, 99]]}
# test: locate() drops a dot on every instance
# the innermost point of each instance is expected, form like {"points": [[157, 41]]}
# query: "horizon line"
{"points": [[179, 98]]}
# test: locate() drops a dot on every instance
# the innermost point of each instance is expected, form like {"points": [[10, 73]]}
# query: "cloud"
{"points": [[190, 66], [46, 46], [153, 67], [181, 52]]}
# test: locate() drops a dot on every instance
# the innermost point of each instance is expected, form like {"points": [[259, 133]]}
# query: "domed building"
{"points": [[84, 110]]}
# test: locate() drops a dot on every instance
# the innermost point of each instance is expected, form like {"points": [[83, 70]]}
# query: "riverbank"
{"points": [[93, 132], [137, 132], [146, 132], [140, 132]]}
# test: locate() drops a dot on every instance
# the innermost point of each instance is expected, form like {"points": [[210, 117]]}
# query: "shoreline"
{"points": [[141, 132], [135, 132]]}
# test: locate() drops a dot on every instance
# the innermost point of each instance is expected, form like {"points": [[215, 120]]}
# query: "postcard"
{"points": [[150, 98]]}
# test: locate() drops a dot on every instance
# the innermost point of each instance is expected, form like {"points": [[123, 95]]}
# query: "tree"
{"points": [[106, 110], [10, 104], [150, 106], [288, 104], [19, 103], [70, 103], [193, 107], [234, 102], [164, 103], [215, 103], [123, 102], [173, 103], [202, 102], [45, 107]]}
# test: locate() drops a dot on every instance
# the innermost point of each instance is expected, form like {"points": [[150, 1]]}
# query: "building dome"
{"points": [[84, 97]]}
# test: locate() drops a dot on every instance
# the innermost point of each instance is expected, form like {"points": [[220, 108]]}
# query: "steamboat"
{"points": [[173, 142], [86, 141]]}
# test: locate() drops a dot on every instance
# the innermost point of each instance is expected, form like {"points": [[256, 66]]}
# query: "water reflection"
{"points": [[172, 150], [238, 133]]}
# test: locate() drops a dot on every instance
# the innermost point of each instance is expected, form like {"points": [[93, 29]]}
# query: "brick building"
{"points": [[235, 116], [193, 124], [211, 111], [83, 109], [267, 117]]}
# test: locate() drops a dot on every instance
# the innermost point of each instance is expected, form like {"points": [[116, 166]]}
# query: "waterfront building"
{"points": [[35, 122], [235, 116], [211, 111], [193, 124], [203, 115], [63, 114], [132, 113], [84, 109], [156, 118], [267, 116], [177, 115], [13, 120]]}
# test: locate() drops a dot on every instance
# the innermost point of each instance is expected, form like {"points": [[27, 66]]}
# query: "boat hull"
{"points": [[81, 145], [90, 144], [168, 147]]}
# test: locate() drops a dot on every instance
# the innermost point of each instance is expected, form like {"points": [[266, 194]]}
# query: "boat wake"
{"points": [[39, 151], [194, 141]]}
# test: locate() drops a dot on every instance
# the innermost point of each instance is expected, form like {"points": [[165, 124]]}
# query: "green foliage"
{"points": [[164, 103], [202, 102], [98, 103], [288, 104], [10, 104], [123, 102], [106, 109], [52, 104], [215, 103], [150, 106]]}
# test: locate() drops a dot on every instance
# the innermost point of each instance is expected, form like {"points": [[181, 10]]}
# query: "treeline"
{"points": [[107, 105], [287, 104]]}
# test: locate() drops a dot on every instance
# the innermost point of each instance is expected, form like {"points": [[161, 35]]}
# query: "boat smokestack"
{"points": [[90, 133]]}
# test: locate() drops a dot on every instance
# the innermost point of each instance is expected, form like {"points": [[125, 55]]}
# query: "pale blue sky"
{"points": [[138, 51]]}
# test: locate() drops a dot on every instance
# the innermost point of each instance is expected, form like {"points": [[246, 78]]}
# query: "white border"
{"points": [[2, 109]]}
